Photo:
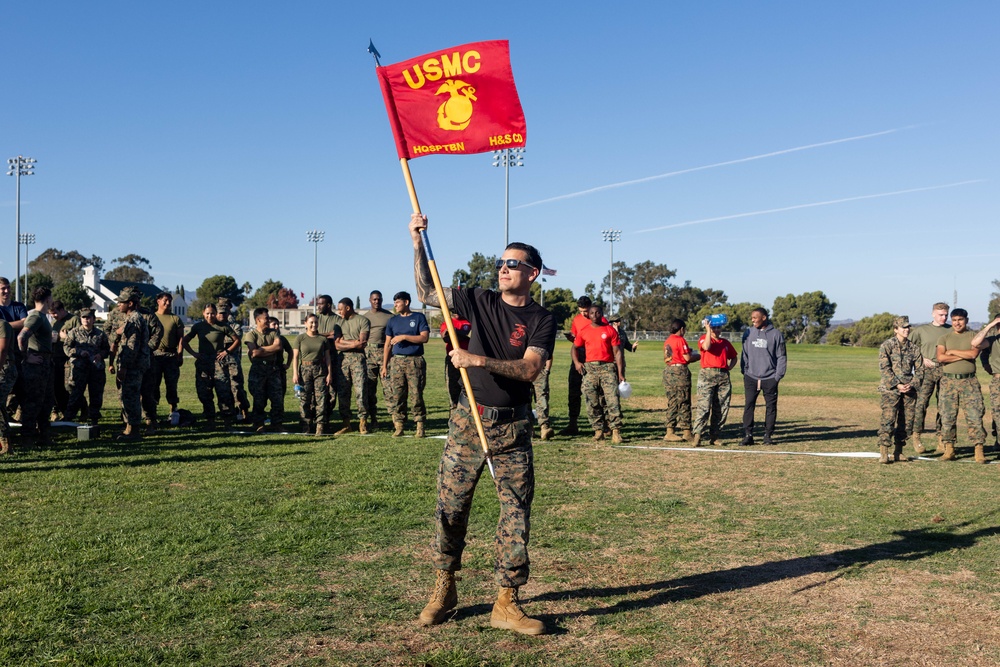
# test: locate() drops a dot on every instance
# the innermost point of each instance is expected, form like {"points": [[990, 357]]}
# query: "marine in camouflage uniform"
{"points": [[266, 371], [988, 340], [147, 389], [540, 390], [926, 337], [8, 375], [86, 372], [230, 368], [715, 389], [677, 382], [902, 369], [350, 340], [960, 387], [212, 342], [378, 317], [35, 341], [597, 354], [132, 359]]}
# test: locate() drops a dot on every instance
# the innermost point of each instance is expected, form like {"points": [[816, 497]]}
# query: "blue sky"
{"points": [[209, 137]]}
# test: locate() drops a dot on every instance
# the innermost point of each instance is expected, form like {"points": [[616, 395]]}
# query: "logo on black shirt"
{"points": [[517, 337]]}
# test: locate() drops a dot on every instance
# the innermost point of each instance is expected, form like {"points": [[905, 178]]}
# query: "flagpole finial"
{"points": [[375, 54]]}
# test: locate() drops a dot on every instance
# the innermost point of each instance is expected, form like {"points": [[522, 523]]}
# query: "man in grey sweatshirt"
{"points": [[763, 363]]}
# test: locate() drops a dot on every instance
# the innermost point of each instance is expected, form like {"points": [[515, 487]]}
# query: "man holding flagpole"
{"points": [[512, 337]]}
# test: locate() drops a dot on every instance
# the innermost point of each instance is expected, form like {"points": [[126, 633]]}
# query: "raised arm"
{"points": [[421, 269]]}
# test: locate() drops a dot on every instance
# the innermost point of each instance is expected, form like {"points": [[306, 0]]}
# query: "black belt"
{"points": [[959, 376], [491, 414]]}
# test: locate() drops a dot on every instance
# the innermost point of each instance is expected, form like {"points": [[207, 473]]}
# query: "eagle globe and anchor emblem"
{"points": [[455, 113]]}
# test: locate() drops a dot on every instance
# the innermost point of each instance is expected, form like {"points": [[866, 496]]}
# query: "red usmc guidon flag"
{"points": [[457, 100]]}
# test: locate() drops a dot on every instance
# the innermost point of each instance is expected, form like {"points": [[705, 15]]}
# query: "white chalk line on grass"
{"points": [[706, 450]]}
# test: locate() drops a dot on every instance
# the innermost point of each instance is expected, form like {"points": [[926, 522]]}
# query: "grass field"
{"points": [[230, 549]]}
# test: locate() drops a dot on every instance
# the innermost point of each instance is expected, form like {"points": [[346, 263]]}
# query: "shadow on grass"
{"points": [[909, 545]]}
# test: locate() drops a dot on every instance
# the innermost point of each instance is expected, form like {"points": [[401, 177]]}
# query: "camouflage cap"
{"points": [[86, 312], [901, 322], [128, 294], [225, 304], [615, 318]]}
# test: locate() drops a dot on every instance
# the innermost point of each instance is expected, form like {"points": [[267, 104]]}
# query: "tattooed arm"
{"points": [[525, 369], [421, 269]]}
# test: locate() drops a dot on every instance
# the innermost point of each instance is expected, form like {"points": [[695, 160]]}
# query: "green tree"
{"points": [[646, 298], [869, 331], [803, 318], [214, 288], [263, 295], [559, 301], [63, 266], [130, 269], [993, 307], [72, 294], [738, 314], [482, 273], [35, 280]]}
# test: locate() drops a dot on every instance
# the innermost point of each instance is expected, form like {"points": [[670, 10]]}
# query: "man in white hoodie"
{"points": [[763, 363]]}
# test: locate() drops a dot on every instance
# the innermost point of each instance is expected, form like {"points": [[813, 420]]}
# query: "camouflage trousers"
{"points": [[8, 376], [265, 385], [600, 384], [898, 416], [165, 369], [928, 386], [129, 383], [315, 392], [230, 369], [677, 386], [462, 463], [575, 394], [84, 375], [407, 379], [540, 388], [995, 404], [968, 395], [352, 374], [373, 357], [209, 384], [714, 391], [36, 406]]}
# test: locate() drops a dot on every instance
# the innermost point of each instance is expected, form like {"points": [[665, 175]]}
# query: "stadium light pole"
{"points": [[507, 158], [17, 167], [612, 235], [26, 240], [315, 237]]}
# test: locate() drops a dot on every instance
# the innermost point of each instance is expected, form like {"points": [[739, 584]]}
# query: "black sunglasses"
{"points": [[512, 263]]}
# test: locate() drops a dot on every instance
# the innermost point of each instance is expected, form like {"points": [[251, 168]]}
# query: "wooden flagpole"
{"points": [[443, 302]]}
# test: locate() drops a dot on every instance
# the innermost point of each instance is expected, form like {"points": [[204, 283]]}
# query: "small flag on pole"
{"points": [[546, 271], [454, 101]]}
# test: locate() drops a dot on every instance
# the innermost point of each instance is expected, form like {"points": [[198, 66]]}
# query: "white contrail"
{"points": [[813, 205], [713, 166]]}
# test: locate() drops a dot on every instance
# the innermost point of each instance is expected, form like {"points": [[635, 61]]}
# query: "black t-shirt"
{"points": [[502, 332]]}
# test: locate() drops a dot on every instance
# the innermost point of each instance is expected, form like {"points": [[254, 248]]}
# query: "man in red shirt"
{"points": [[597, 356], [580, 321], [453, 377], [718, 356], [677, 382]]}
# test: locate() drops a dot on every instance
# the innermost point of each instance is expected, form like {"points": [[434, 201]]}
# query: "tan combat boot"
{"points": [[949, 452], [129, 434], [307, 428], [980, 454], [547, 433], [363, 426], [883, 454], [420, 430], [599, 435], [671, 435], [444, 597], [696, 441], [4, 444], [345, 428], [508, 615], [397, 429], [686, 435], [319, 428], [918, 447], [616, 436], [897, 454]]}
